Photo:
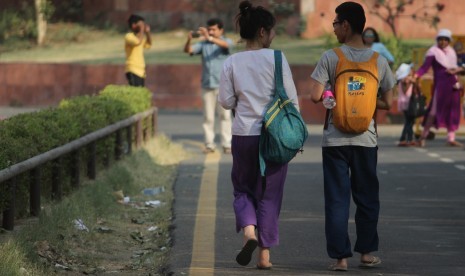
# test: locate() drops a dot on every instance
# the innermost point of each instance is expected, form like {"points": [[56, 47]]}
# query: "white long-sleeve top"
{"points": [[247, 86]]}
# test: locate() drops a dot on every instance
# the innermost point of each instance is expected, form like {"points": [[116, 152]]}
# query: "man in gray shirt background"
{"points": [[214, 49]]}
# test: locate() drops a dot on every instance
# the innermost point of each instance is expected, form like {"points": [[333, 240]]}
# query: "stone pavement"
{"points": [[421, 227]]}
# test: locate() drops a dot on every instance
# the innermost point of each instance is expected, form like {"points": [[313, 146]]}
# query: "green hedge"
{"points": [[30, 134]]}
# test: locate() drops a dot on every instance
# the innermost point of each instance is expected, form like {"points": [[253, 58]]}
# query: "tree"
{"points": [[44, 10], [391, 10]]}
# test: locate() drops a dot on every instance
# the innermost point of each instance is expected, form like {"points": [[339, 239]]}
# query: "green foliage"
{"points": [[67, 33], [30, 134], [400, 50], [47, 9], [68, 11], [14, 262], [96, 205], [330, 41], [281, 9], [17, 25]]}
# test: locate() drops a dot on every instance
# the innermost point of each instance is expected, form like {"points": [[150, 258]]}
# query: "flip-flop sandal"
{"points": [[264, 267], [245, 256], [335, 267], [375, 261]]}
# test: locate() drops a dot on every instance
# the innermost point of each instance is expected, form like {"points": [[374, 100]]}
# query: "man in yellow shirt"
{"points": [[135, 43]]}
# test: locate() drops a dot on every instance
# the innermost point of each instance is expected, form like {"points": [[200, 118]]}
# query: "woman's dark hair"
{"points": [[354, 14], [250, 19], [375, 33], [133, 19]]}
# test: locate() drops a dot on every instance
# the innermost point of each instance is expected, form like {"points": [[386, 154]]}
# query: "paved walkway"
{"points": [[421, 227], [422, 220]]}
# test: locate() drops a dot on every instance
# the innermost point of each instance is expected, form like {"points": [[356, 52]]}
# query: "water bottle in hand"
{"points": [[329, 102]]}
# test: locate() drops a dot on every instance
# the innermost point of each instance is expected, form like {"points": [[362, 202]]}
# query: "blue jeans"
{"points": [[350, 170]]}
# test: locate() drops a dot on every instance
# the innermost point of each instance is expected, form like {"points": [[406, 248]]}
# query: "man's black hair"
{"points": [[133, 19], [215, 21], [354, 14]]}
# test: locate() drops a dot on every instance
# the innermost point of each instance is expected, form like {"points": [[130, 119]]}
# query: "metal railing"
{"points": [[8, 176]]}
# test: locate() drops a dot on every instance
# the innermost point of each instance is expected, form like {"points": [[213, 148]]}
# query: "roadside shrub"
{"points": [[27, 135]]}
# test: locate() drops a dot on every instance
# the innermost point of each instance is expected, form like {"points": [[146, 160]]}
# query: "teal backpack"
{"points": [[283, 131]]}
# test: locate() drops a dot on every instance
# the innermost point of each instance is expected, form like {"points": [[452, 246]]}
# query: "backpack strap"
{"points": [[341, 57], [279, 90], [339, 53], [278, 74]]}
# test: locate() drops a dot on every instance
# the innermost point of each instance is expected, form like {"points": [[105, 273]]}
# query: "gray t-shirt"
{"points": [[325, 73]]}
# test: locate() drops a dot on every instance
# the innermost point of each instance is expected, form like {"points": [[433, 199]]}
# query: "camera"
{"points": [[195, 34]]}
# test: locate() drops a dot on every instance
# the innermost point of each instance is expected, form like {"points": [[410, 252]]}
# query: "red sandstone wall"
{"points": [[47, 84], [173, 86], [452, 17]]}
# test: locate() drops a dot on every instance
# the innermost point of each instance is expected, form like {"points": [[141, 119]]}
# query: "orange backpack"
{"points": [[355, 90]]}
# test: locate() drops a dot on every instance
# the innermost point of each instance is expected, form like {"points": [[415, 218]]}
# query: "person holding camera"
{"points": [[214, 49], [134, 44]]}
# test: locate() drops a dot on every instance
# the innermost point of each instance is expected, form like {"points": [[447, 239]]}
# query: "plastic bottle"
{"points": [[329, 102]]}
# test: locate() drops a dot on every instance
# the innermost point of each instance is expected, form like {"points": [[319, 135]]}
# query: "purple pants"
{"points": [[252, 205]]}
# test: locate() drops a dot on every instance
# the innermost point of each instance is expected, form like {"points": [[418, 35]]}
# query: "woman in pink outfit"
{"points": [[444, 108]]}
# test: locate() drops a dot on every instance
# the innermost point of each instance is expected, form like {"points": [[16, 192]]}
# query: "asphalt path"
{"points": [[421, 225]]}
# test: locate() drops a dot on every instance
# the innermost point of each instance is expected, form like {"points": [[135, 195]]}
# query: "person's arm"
{"points": [[425, 67], [387, 85], [385, 101], [455, 71], [218, 41], [132, 40], [148, 42], [316, 90], [385, 52], [187, 46], [226, 96], [320, 77]]}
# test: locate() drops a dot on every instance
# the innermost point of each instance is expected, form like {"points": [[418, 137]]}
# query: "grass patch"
{"points": [[130, 238], [14, 262], [74, 43]]}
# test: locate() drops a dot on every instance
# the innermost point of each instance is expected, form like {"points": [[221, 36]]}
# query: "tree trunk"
{"points": [[41, 22]]}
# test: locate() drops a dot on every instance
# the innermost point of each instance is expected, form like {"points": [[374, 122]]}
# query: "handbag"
{"points": [[283, 132], [417, 103]]}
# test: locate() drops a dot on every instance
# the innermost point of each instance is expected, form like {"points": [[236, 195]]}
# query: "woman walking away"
{"points": [[247, 86], [405, 88], [444, 107]]}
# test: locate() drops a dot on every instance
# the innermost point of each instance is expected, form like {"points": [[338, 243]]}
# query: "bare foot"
{"points": [[339, 265], [249, 233], [368, 260], [264, 257]]}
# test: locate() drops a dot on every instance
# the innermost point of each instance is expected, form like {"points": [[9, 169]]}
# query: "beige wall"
{"points": [[321, 14]]}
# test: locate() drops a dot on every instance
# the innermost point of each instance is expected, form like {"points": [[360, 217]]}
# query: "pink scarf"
{"points": [[446, 57]]}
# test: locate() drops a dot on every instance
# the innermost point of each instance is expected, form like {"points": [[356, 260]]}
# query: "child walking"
{"points": [[405, 88]]}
